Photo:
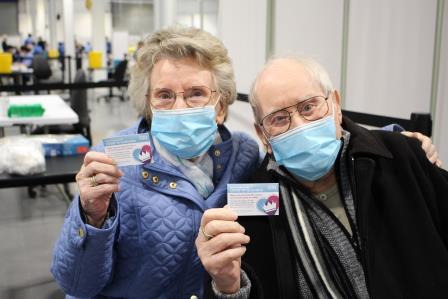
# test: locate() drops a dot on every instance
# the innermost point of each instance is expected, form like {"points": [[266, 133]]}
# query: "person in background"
{"points": [[87, 47], [108, 52], [108, 46], [79, 53], [5, 45], [42, 43], [14, 52], [61, 58], [38, 50], [25, 56], [130, 233], [61, 48], [29, 40], [363, 214]]}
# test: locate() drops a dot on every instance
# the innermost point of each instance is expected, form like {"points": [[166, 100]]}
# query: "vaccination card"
{"points": [[129, 149], [253, 199]]}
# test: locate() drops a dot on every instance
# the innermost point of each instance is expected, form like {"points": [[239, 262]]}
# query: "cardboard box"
{"points": [[63, 145], [75, 145]]}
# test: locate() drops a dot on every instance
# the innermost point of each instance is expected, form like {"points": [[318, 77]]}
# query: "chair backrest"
{"points": [[419, 122], [78, 99], [120, 70], [41, 67]]}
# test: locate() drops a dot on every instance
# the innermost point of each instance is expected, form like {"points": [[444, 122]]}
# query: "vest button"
{"points": [[194, 297], [145, 174], [217, 153], [81, 232], [155, 179], [173, 185]]}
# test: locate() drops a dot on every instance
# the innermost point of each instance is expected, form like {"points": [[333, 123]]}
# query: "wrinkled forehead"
{"points": [[282, 84]]}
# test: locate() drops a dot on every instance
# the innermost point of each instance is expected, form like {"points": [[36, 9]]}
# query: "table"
{"points": [[57, 112], [59, 170], [21, 68], [19, 72]]}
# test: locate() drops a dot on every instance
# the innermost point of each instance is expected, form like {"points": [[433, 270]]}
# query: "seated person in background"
{"points": [[38, 50], [130, 233], [362, 213], [14, 52], [26, 56], [41, 43]]}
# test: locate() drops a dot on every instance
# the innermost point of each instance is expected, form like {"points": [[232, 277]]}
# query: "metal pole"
{"points": [[344, 56], [436, 58], [270, 28], [70, 69], [201, 14]]}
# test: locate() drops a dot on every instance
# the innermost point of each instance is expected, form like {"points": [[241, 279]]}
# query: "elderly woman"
{"points": [[130, 233]]}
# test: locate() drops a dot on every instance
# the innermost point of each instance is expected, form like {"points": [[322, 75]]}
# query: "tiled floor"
{"points": [[29, 227]]}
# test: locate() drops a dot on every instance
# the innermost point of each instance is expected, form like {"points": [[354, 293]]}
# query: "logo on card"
{"points": [[144, 154], [268, 206]]}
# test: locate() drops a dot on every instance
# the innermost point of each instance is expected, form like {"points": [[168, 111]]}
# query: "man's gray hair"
{"points": [[180, 42], [315, 70]]}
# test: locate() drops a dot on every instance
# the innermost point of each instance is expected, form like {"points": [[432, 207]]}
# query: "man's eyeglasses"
{"points": [[310, 109], [194, 97]]}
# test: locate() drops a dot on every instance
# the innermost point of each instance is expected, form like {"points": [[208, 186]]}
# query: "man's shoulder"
{"points": [[379, 141], [398, 143]]}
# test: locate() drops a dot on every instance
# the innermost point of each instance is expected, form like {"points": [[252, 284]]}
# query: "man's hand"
{"points": [[97, 179], [220, 247], [427, 146]]}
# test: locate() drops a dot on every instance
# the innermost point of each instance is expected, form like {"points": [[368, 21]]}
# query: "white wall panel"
{"points": [[242, 28], [311, 28], [390, 52]]}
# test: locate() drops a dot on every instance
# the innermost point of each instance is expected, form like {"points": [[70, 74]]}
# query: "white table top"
{"points": [[57, 112], [21, 68]]}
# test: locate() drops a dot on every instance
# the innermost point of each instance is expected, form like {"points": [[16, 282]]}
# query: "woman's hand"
{"points": [[220, 247], [97, 179], [427, 146]]}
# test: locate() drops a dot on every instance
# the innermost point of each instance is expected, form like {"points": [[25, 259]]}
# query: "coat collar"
{"points": [[363, 141]]}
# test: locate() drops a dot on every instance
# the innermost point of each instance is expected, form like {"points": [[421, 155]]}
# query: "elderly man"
{"points": [[363, 214]]}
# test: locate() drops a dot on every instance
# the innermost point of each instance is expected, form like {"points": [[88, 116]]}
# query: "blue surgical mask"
{"points": [[309, 151], [186, 133]]}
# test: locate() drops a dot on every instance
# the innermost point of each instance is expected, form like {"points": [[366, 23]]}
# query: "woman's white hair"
{"points": [[177, 43], [315, 70]]}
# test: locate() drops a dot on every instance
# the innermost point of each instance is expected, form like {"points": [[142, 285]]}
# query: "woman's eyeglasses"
{"points": [[194, 97]]}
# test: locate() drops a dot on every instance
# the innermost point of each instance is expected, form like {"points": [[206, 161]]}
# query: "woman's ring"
{"points": [[207, 236], [93, 182]]}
